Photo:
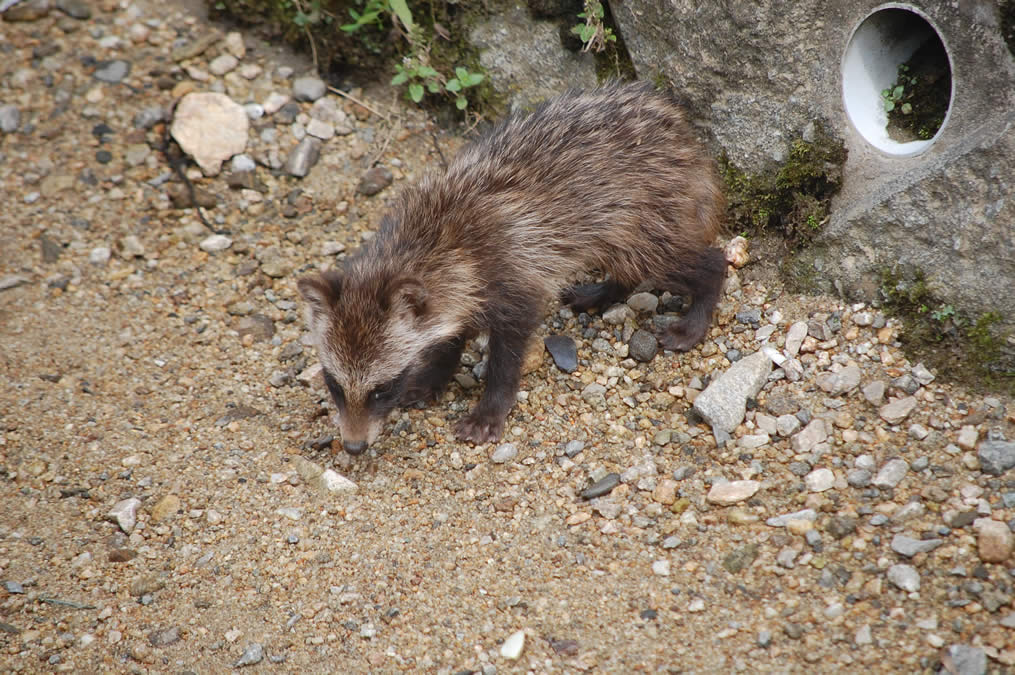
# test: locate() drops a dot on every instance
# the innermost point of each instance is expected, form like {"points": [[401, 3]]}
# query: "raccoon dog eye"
{"points": [[335, 388], [383, 394]]}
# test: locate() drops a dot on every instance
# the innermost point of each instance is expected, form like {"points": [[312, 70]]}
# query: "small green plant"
{"points": [[900, 92], [422, 78], [593, 33], [943, 314], [415, 70], [374, 12]]}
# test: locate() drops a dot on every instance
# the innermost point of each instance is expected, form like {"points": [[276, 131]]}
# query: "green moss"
{"points": [[792, 198], [970, 350]]}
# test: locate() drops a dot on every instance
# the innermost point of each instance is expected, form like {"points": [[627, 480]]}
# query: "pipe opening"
{"points": [[897, 81]]}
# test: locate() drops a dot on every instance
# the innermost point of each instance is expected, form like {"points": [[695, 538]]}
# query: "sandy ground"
{"points": [[169, 375]]}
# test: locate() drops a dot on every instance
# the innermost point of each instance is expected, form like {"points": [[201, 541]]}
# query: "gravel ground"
{"points": [[163, 436]]}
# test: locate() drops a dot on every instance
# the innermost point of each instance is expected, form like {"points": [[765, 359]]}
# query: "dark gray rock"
{"points": [[602, 487], [563, 351], [643, 346], [996, 457], [751, 317], [525, 59], [374, 180], [76, 9]]}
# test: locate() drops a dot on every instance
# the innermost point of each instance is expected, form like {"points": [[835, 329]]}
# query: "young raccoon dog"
{"points": [[610, 180]]}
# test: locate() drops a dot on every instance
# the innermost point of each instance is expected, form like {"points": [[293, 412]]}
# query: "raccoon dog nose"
{"points": [[354, 447]]}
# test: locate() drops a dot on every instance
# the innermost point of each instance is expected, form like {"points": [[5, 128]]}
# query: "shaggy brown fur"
{"points": [[610, 180]]}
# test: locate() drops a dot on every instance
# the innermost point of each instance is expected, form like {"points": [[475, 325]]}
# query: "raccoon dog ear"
{"points": [[408, 295], [321, 291]]}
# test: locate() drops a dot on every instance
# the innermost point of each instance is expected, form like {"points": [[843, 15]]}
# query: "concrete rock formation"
{"points": [[759, 75]]}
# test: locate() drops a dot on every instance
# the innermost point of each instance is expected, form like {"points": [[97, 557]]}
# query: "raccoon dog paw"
{"points": [[479, 429], [683, 336]]}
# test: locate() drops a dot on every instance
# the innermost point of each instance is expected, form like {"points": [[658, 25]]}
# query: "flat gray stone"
{"points": [[897, 410], [874, 392], [904, 577], [112, 71], [618, 314], [12, 281], [76, 9], [907, 546], [967, 660], [809, 437], [724, 402], [309, 88], [786, 518], [842, 382], [891, 473]]}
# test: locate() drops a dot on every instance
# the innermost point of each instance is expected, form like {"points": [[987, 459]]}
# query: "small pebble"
{"points": [[504, 453], [513, 646]]}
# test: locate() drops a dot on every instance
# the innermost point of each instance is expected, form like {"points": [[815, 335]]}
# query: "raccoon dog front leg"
{"points": [[508, 340]]}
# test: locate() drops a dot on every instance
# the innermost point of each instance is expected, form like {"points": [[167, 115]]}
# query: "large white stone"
{"points": [[211, 128]]}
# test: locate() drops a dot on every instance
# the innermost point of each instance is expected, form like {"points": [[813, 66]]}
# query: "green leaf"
{"points": [[906, 108], [898, 92], [401, 78], [462, 73], [889, 106], [416, 92], [433, 86], [401, 9], [453, 85], [461, 102], [472, 80], [426, 71]]}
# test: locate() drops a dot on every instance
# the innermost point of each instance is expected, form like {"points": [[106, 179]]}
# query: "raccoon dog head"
{"points": [[369, 334]]}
